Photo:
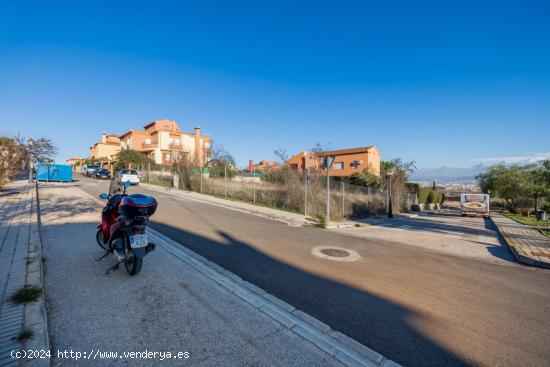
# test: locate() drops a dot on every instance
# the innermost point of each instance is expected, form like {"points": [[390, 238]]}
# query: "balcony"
{"points": [[150, 146], [174, 146]]}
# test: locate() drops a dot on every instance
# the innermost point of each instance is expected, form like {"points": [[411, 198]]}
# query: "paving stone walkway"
{"points": [[528, 245], [15, 210]]}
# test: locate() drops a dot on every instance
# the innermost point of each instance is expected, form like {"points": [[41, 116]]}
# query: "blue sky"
{"points": [[437, 82]]}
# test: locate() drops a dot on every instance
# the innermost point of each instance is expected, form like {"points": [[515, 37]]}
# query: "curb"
{"points": [[35, 317], [336, 344], [518, 252]]}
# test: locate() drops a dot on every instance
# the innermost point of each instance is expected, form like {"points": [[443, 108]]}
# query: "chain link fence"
{"points": [[284, 189]]}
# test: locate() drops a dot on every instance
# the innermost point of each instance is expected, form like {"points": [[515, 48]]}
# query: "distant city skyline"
{"points": [[443, 85]]}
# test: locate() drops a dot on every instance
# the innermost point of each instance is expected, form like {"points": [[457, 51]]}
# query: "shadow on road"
{"points": [[382, 323], [376, 322]]}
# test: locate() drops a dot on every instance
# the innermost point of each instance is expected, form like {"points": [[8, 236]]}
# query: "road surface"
{"points": [[417, 306]]}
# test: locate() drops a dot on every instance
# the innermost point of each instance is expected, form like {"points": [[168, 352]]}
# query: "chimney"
{"points": [[103, 137], [250, 165], [198, 152]]}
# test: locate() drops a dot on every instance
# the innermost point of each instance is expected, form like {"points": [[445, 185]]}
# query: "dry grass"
{"points": [[287, 192]]}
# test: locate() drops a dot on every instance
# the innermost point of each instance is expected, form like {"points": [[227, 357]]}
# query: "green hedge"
{"points": [[427, 196]]}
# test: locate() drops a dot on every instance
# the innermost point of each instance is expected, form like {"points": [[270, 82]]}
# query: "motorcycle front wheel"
{"points": [[99, 239]]}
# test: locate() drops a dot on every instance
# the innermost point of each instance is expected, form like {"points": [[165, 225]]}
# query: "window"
{"points": [[338, 165], [147, 140], [356, 164], [177, 141], [167, 157]]}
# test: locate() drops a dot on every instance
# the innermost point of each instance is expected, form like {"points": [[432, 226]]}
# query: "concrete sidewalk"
{"points": [[527, 244], [180, 302], [20, 265]]}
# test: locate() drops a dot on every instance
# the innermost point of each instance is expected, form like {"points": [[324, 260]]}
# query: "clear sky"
{"points": [[441, 83]]}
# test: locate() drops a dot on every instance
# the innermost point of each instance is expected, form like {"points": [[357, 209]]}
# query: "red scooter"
{"points": [[122, 230]]}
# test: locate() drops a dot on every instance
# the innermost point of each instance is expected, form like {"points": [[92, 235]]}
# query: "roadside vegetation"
{"points": [[284, 188], [18, 153], [363, 194], [523, 189], [26, 294], [25, 334]]}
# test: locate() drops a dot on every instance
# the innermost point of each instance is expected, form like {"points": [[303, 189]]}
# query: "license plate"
{"points": [[138, 240]]}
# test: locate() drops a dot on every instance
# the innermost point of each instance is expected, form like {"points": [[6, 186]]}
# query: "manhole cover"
{"points": [[335, 252]]}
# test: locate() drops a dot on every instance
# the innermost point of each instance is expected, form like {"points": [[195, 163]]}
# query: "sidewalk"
{"points": [[19, 266], [527, 244], [179, 303]]}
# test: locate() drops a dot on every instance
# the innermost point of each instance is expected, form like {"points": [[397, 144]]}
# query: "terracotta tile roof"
{"points": [[347, 151], [132, 131]]}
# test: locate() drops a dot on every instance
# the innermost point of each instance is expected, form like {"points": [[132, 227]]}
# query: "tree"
{"points": [[12, 155], [365, 178], [510, 183], [220, 156], [544, 172], [400, 169], [220, 163], [38, 150], [128, 157], [536, 184], [282, 155]]}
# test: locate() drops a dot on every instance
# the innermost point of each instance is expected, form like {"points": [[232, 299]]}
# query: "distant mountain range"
{"points": [[465, 173]]}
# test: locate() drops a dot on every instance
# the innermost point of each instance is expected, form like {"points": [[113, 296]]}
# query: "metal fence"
{"points": [[291, 191]]}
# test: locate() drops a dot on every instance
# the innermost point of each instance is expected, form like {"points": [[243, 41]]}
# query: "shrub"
{"points": [[26, 294]]}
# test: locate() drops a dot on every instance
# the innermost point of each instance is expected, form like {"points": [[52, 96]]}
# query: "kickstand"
{"points": [[102, 256], [114, 267]]}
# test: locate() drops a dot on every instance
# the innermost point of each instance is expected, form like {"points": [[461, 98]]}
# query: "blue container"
{"points": [[54, 172]]}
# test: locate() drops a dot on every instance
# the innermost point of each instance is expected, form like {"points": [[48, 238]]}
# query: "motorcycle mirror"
{"points": [[104, 196], [126, 184]]}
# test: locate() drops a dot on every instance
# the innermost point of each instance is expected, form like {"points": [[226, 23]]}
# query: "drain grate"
{"points": [[335, 252]]}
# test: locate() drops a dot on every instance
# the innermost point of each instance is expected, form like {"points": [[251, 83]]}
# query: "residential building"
{"points": [[163, 141], [346, 161], [304, 161], [105, 151], [74, 162], [262, 166]]}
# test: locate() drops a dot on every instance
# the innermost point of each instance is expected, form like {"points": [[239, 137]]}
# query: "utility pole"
{"points": [[328, 195], [390, 209], [30, 142], [254, 181], [305, 192], [328, 163], [201, 178], [343, 198], [225, 180]]}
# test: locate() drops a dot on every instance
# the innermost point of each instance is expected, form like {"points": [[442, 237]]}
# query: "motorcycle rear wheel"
{"points": [[133, 264], [99, 239]]}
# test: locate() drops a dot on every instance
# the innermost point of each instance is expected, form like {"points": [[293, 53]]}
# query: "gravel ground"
{"points": [[168, 307]]}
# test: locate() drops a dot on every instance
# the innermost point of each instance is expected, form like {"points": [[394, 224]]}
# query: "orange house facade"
{"points": [[346, 161], [163, 141], [105, 151]]}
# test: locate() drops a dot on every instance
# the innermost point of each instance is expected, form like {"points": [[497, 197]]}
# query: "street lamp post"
{"points": [[30, 143], [389, 173]]}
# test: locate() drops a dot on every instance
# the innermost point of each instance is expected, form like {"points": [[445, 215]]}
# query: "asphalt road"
{"points": [[417, 306]]}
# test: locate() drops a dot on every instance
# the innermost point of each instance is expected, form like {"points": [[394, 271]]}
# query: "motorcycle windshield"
{"points": [[115, 187]]}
